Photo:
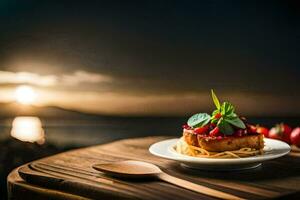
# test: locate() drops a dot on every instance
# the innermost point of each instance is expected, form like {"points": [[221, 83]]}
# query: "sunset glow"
{"points": [[25, 95]]}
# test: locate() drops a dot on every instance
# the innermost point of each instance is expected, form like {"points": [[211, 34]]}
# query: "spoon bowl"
{"points": [[129, 169]]}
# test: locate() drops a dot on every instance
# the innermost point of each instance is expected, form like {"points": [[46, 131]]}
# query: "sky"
{"points": [[152, 57]]}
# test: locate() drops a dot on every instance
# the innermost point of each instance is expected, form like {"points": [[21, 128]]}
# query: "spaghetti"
{"points": [[183, 148]]}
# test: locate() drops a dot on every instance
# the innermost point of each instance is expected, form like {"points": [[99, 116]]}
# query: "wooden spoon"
{"points": [[139, 169]]}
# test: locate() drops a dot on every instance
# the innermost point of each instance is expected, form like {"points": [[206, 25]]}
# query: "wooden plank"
{"points": [[273, 179]]}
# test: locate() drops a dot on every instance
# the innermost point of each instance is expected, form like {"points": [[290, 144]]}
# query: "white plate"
{"points": [[273, 149]]}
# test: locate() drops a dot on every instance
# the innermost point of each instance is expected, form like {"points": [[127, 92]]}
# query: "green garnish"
{"points": [[225, 127], [215, 99], [199, 120], [227, 117], [224, 117]]}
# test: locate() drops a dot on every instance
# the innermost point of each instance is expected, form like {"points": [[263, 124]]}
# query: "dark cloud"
{"points": [[158, 46]]}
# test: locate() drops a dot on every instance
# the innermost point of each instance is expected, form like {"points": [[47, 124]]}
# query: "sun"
{"points": [[25, 95]]}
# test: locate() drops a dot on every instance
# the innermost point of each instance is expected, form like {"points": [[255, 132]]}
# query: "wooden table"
{"points": [[69, 175]]}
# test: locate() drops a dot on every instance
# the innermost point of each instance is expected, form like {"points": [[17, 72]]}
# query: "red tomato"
{"points": [[252, 129], [274, 133], [218, 115], [263, 130], [287, 130], [201, 130], [281, 132], [214, 132], [295, 136]]}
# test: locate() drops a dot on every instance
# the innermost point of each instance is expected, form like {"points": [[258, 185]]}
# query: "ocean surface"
{"points": [[78, 133]]}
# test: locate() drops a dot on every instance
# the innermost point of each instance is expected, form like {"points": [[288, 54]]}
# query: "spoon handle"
{"points": [[195, 187]]}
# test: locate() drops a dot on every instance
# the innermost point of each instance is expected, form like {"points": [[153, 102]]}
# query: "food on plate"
{"points": [[281, 132], [223, 134], [295, 137]]}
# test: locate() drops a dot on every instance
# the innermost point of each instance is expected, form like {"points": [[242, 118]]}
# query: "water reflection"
{"points": [[28, 129]]}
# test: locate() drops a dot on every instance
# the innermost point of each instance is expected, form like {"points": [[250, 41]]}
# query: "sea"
{"points": [[86, 132]]}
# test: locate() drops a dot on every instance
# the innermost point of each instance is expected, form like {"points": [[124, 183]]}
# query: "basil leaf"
{"points": [[225, 127], [236, 122], [215, 100], [227, 108], [231, 116], [199, 120]]}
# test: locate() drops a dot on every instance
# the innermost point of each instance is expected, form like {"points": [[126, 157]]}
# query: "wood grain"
{"points": [[197, 187], [280, 177]]}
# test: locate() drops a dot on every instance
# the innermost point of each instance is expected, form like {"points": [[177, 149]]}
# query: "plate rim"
{"points": [[216, 161]]}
